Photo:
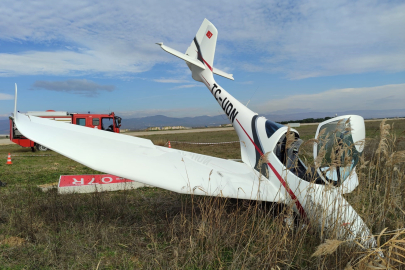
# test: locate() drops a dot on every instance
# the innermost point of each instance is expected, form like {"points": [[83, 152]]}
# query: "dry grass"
{"points": [[155, 229], [160, 142]]}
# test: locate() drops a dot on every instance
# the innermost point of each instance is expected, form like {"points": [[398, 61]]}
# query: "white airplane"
{"points": [[265, 173]]}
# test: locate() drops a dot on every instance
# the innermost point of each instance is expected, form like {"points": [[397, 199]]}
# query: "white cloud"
{"points": [[68, 63], [384, 97], [299, 39], [81, 87], [169, 81], [187, 86], [6, 96]]}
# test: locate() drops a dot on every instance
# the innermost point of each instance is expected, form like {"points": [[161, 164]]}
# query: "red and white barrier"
{"points": [[89, 183], [201, 143]]}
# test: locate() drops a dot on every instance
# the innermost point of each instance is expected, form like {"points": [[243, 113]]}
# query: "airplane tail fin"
{"points": [[203, 45], [200, 54]]}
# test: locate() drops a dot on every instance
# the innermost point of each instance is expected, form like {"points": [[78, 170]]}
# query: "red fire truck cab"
{"points": [[108, 122]]}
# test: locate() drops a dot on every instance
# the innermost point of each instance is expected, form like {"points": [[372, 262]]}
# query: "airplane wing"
{"points": [[140, 160]]}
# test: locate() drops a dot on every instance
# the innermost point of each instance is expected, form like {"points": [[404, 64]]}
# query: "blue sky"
{"points": [[84, 56]]}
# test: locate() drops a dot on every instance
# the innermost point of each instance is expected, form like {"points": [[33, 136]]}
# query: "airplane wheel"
{"points": [[41, 148]]}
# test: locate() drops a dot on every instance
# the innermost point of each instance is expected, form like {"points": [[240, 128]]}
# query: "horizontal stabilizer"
{"points": [[223, 74], [183, 56], [193, 61]]}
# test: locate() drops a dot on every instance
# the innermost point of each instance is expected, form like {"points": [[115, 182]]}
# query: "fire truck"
{"points": [[108, 122]]}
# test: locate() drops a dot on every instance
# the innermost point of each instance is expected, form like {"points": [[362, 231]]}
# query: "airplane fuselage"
{"points": [[310, 200]]}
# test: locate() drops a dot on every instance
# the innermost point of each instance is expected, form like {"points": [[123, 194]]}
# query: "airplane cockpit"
{"points": [[338, 146]]}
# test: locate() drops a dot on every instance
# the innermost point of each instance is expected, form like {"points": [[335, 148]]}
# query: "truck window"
{"points": [[107, 123], [81, 121], [117, 121], [96, 121]]}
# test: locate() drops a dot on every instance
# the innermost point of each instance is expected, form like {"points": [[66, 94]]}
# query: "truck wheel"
{"points": [[41, 148]]}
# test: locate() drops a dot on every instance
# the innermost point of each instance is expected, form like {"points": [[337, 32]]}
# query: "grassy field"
{"points": [[150, 228]]}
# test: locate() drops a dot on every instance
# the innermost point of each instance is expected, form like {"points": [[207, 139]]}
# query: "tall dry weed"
{"points": [[379, 200]]}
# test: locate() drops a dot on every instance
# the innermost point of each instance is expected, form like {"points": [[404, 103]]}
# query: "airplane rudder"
{"points": [[192, 50], [208, 45]]}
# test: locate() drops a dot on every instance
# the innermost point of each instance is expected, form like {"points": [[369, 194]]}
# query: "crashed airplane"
{"points": [[271, 169]]}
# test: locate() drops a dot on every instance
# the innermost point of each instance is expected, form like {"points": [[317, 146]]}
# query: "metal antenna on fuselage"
{"points": [[252, 96]]}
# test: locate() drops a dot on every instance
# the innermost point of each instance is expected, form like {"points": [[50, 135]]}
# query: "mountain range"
{"points": [[203, 121]]}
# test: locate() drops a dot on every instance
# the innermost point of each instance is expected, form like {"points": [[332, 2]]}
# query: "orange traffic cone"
{"points": [[170, 145], [9, 159]]}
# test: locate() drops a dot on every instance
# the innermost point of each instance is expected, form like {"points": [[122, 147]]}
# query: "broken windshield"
{"points": [[336, 151]]}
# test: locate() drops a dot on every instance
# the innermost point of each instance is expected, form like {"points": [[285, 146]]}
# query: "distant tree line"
{"points": [[307, 120]]}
